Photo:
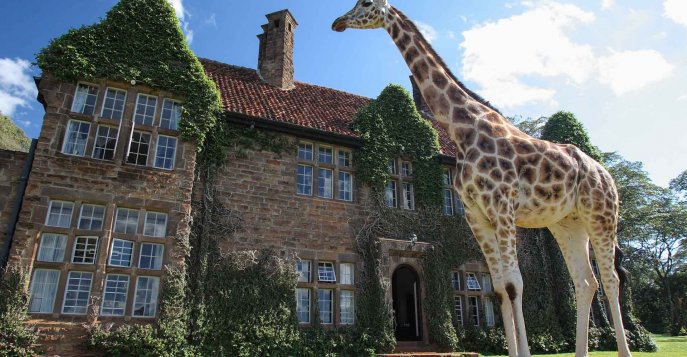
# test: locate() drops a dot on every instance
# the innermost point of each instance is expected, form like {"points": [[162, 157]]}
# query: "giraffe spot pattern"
{"points": [[439, 80]]}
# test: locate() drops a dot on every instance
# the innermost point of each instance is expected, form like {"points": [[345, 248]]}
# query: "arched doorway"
{"points": [[405, 287]]}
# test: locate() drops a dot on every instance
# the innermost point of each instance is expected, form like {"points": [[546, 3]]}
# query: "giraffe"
{"points": [[507, 178]]}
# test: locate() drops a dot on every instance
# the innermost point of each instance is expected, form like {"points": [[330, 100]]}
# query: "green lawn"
{"points": [[668, 346]]}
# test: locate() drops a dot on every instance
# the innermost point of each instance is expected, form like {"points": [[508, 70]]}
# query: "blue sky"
{"points": [[619, 65]]}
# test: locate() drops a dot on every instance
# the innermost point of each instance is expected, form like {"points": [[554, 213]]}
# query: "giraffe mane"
{"points": [[441, 62]]}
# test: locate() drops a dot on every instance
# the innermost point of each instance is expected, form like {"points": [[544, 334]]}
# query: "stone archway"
{"points": [[405, 287]]}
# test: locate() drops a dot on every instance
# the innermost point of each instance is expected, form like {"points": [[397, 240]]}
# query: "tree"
{"points": [[530, 126], [11, 136], [563, 128]]}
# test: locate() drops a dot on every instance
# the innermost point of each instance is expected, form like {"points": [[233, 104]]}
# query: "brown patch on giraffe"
{"points": [[496, 175], [486, 164], [420, 43], [505, 149], [493, 118], [541, 146], [529, 174], [430, 94], [460, 156], [394, 30], [439, 80], [545, 171], [460, 115], [421, 71], [474, 109], [455, 95], [411, 54], [472, 156], [403, 42], [466, 172], [440, 106], [505, 165], [486, 144], [534, 159], [484, 184], [523, 146]]}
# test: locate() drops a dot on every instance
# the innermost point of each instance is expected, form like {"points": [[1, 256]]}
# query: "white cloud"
{"points": [[16, 84], [676, 10], [631, 70], [497, 54], [212, 20], [606, 4], [181, 13], [451, 35], [682, 98], [427, 31]]}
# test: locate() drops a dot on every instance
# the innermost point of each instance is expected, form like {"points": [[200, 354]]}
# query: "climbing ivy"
{"points": [[139, 40], [16, 338]]}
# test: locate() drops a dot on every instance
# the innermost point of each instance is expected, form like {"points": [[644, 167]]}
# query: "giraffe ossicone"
{"points": [[507, 178]]}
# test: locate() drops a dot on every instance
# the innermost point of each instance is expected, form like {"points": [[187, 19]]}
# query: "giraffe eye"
{"points": [[367, 3]]}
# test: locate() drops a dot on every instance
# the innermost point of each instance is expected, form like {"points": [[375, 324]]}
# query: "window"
{"points": [[151, 256], [448, 202], [105, 143], [486, 283], [459, 207], [325, 302], [59, 214], [345, 186], [408, 197], [138, 150], [126, 221], [325, 272], [390, 194], [145, 109], [171, 114], [305, 151], [113, 107], [346, 270], [52, 248], [347, 307], [303, 271], [326, 155], [43, 289], [91, 217], [155, 224], [304, 180], [325, 183], [489, 312], [145, 300], [114, 295], [458, 308], [455, 280], [121, 253], [84, 99], [406, 169], [447, 177], [471, 282], [165, 152], [77, 293], [85, 250], [76, 138], [473, 310], [345, 159], [392, 167], [303, 305]]}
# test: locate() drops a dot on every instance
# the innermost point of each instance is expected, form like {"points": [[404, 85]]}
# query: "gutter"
{"points": [[18, 200]]}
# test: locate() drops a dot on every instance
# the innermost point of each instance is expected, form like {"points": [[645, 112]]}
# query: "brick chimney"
{"points": [[275, 57], [420, 104]]}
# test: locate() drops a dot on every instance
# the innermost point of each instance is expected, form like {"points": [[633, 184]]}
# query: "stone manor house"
{"points": [[93, 208]]}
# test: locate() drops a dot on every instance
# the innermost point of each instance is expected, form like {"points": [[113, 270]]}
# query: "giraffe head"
{"points": [[367, 14]]}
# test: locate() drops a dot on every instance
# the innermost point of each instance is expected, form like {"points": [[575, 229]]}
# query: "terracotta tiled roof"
{"points": [[307, 105]]}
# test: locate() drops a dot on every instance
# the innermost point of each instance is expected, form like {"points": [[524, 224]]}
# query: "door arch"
{"points": [[405, 287]]}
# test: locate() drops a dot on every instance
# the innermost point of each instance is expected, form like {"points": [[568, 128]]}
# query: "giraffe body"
{"points": [[506, 178]]}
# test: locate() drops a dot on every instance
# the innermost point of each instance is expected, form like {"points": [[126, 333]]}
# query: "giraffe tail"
{"points": [[622, 272]]}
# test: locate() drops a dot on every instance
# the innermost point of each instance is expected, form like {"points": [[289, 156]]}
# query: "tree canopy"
{"points": [[564, 128], [11, 136]]}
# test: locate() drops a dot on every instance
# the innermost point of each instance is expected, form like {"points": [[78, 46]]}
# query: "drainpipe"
{"points": [[23, 180]]}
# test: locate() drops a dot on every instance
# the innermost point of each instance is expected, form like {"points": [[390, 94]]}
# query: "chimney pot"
{"points": [[275, 56]]}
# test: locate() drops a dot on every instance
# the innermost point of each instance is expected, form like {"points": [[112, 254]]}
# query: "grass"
{"points": [[668, 346]]}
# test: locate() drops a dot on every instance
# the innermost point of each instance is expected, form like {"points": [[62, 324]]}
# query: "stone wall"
{"points": [[11, 166]]}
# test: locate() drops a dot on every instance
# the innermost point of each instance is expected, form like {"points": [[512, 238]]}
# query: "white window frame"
{"points": [[392, 167], [455, 280], [344, 159], [114, 223], [472, 282], [164, 158], [391, 194], [154, 296], [71, 213], [117, 293], [448, 206], [322, 183], [67, 290], [138, 100], [153, 258], [320, 304], [57, 253], [105, 148], [171, 118], [328, 275], [114, 102], [95, 102], [66, 138], [300, 307], [300, 269], [88, 246], [345, 191], [447, 177], [458, 309], [408, 197], [303, 148], [347, 307], [347, 273], [301, 187], [52, 289], [330, 154], [120, 253], [137, 154], [406, 169], [155, 228], [91, 218]]}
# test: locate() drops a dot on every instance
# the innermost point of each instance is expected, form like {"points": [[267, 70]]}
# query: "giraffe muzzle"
{"points": [[339, 24]]}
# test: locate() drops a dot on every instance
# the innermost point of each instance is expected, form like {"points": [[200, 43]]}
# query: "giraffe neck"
{"points": [[439, 88]]}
